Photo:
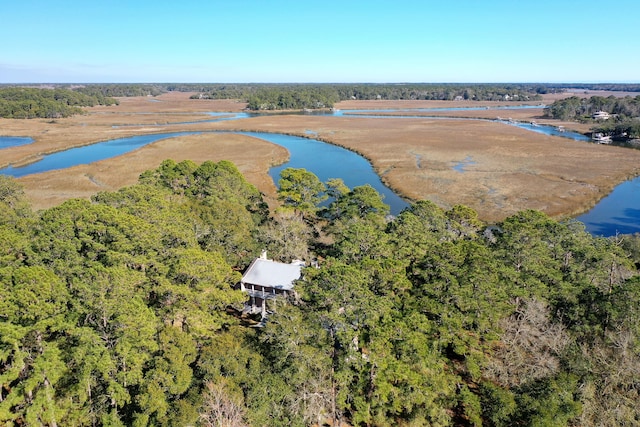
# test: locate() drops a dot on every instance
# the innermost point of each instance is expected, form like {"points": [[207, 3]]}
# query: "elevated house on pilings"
{"points": [[267, 279]]}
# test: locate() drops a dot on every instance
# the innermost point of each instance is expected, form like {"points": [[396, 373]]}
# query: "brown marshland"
{"points": [[506, 169]]}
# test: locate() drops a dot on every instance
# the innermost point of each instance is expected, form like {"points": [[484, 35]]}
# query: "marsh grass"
{"points": [[513, 169]]}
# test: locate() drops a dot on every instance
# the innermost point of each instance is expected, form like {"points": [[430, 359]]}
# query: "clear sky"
{"points": [[214, 41]]}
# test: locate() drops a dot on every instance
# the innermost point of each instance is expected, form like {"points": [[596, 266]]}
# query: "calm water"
{"points": [[14, 141], [328, 161], [544, 129], [88, 154], [325, 160], [551, 130], [617, 213]]}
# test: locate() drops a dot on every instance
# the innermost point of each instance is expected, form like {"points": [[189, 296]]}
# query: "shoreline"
{"points": [[512, 170]]}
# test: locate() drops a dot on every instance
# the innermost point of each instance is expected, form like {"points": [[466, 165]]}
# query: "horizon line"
{"points": [[334, 82]]}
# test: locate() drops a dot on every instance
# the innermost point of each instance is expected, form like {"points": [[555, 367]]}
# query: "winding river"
{"points": [[330, 161], [617, 213], [88, 154]]}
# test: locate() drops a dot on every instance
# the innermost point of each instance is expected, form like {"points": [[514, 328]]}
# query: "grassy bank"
{"points": [[508, 169]]}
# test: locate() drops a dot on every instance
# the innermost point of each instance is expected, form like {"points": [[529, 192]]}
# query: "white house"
{"points": [[266, 279], [601, 115]]}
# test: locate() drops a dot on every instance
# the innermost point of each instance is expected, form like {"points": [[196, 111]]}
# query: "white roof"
{"points": [[265, 272]]}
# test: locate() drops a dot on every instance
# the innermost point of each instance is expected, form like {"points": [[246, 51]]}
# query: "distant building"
{"points": [[600, 115], [601, 138], [266, 279]]}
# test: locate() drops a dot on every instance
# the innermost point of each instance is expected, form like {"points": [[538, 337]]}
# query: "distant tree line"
{"points": [[220, 91], [122, 90], [299, 96], [284, 96], [561, 87], [288, 98], [29, 103], [625, 113], [576, 108], [438, 92]]}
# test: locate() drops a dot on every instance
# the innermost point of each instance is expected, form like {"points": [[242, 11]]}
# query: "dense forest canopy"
{"points": [[112, 90], [115, 311], [624, 120], [29, 103]]}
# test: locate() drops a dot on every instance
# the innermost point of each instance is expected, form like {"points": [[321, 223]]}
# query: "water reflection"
{"points": [[618, 213], [549, 130]]}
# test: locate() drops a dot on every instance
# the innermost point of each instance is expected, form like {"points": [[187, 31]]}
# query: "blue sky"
{"points": [[215, 41]]}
